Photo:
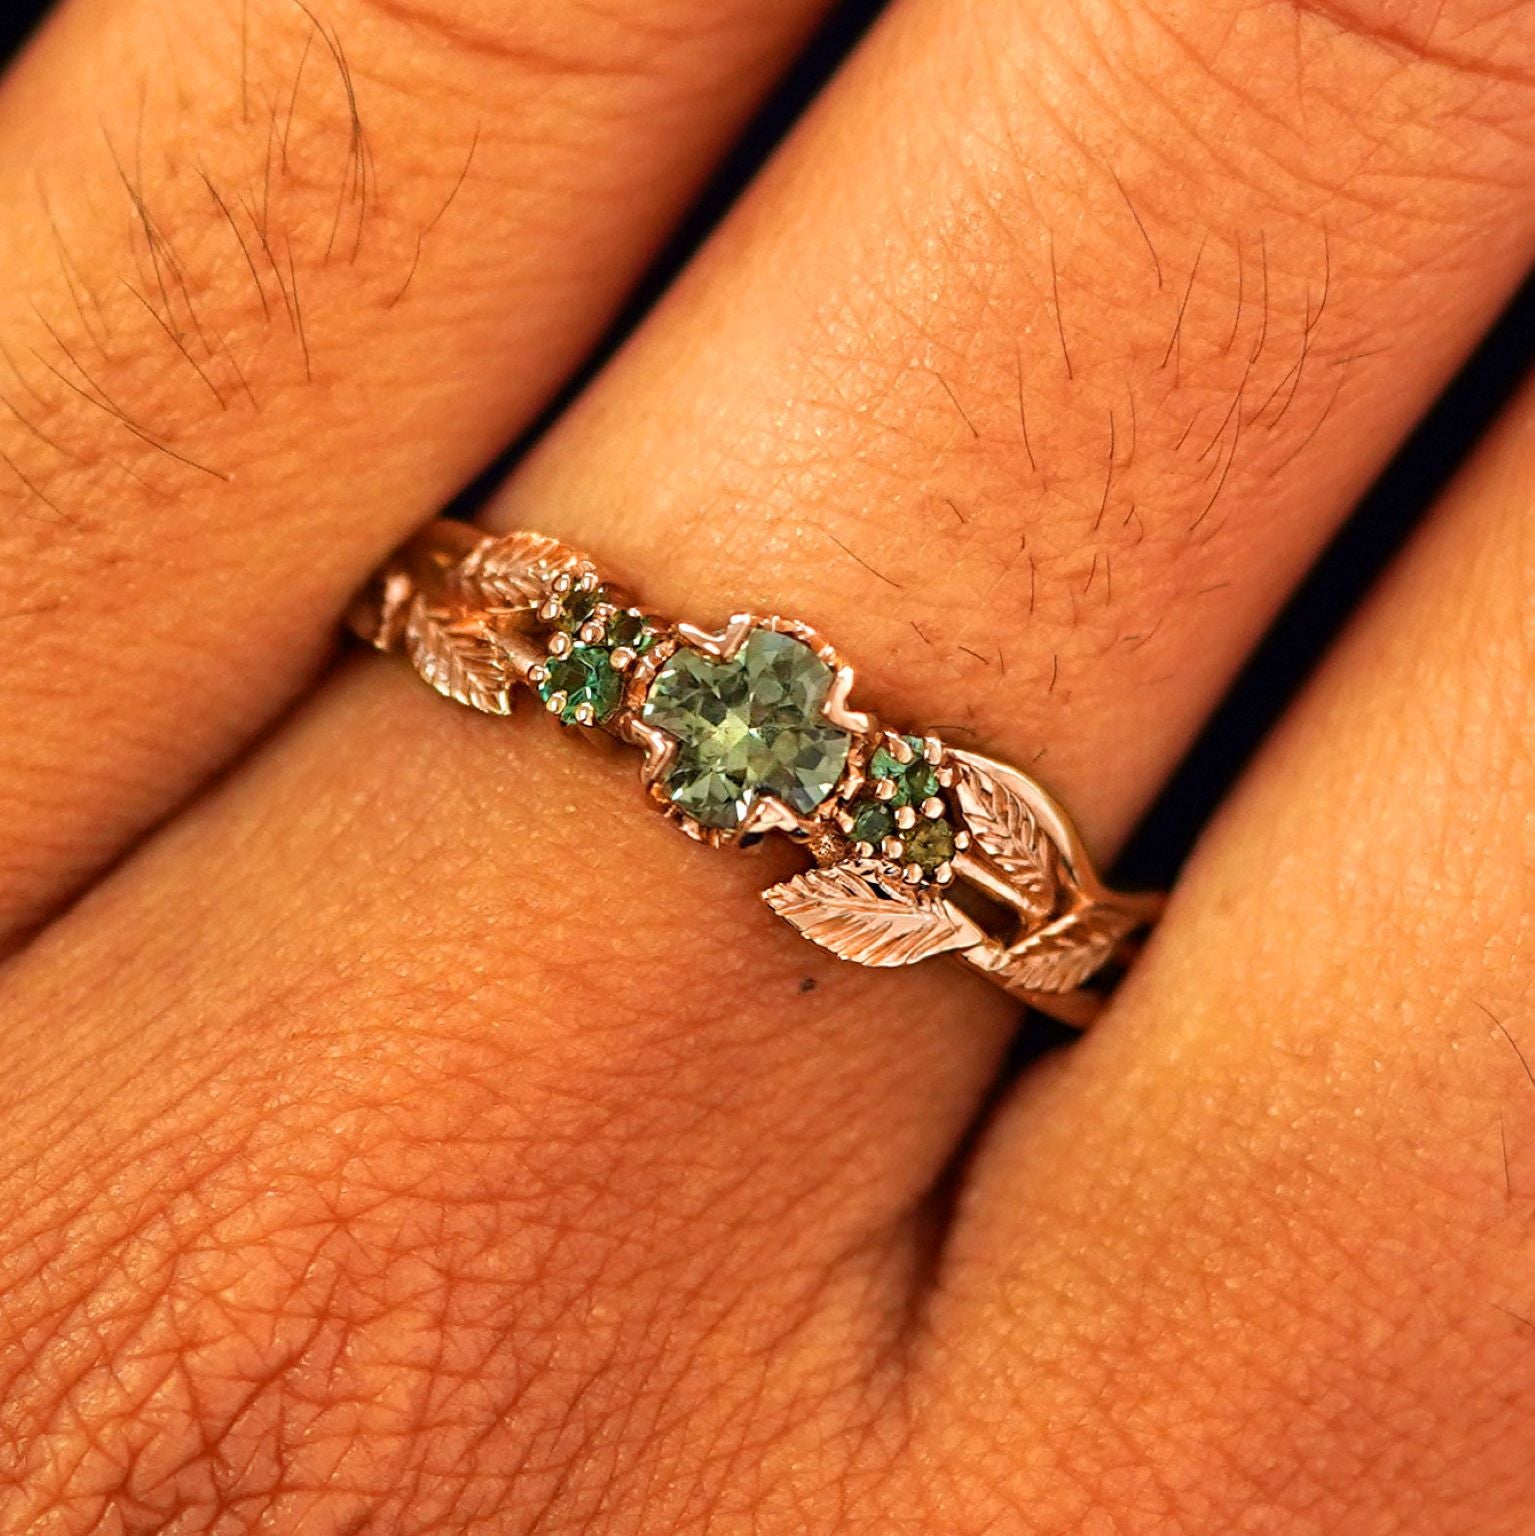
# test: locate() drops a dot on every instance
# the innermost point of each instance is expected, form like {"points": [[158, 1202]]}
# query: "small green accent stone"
{"points": [[930, 843], [584, 676], [915, 781], [747, 727], [578, 607], [627, 629], [872, 823]]}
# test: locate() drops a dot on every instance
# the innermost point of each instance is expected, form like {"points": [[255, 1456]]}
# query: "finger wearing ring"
{"points": [[920, 848]]}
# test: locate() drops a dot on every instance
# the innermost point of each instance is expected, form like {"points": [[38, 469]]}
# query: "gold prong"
{"points": [[549, 611], [591, 632], [585, 714], [961, 840], [905, 817], [944, 874], [901, 750], [587, 582], [769, 815], [724, 643], [621, 659], [932, 807], [837, 709], [946, 777], [932, 750], [844, 820], [660, 749], [884, 789], [863, 850], [556, 703], [559, 644], [892, 847], [912, 874], [561, 583], [538, 673]]}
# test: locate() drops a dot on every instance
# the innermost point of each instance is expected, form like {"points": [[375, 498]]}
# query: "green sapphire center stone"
{"points": [[747, 727]]}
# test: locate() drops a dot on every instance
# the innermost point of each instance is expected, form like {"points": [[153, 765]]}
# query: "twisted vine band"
{"points": [[919, 848]]}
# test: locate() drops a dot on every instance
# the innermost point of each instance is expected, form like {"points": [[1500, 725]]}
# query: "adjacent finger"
{"points": [[1290, 1183], [279, 279]]}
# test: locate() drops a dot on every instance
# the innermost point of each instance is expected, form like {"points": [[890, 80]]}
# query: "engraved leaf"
{"points": [[460, 659], [861, 911], [512, 571], [1062, 955], [1005, 826]]}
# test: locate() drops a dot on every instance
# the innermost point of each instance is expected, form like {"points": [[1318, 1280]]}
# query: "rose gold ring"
{"points": [[920, 848]]}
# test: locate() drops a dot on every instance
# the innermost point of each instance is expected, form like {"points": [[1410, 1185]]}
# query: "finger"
{"points": [[271, 295], [1059, 446], [1291, 1182], [605, 1051]]}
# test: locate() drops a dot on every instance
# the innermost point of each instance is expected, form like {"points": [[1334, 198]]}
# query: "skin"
{"points": [[399, 1131]]}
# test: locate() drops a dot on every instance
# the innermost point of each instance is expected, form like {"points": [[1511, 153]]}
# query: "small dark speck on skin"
{"points": [[807, 984]]}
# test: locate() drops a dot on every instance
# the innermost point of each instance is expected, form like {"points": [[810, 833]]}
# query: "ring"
{"points": [[920, 848]]}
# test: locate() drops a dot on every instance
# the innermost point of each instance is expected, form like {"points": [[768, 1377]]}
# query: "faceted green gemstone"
{"points": [[578, 607], [930, 843], [915, 781], [627, 629], [747, 727], [872, 823], [584, 676]]}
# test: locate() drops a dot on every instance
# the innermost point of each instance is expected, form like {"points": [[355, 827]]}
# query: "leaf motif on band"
{"points": [[460, 658], [1063, 954], [861, 911], [513, 571], [1006, 828]]}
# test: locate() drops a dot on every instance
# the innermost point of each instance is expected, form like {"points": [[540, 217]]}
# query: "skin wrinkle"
{"points": [[1374, 22]]}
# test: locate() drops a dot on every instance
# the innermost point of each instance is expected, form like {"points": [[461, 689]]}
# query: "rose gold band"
{"points": [[920, 848]]}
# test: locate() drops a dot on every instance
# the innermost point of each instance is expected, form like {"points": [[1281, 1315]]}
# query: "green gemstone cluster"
{"points": [[595, 639], [900, 814]]}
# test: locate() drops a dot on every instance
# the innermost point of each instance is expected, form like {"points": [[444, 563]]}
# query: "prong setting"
{"points": [[660, 749], [838, 711]]}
